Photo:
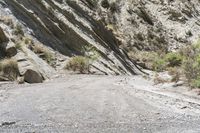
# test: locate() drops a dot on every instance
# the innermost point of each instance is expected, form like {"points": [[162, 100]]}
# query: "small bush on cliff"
{"points": [[9, 69], [78, 64], [18, 46], [18, 30], [43, 53]]}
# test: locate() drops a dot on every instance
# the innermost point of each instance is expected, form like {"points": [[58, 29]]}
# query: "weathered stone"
{"points": [[3, 78], [20, 80], [3, 37], [32, 76], [73, 24], [7, 48], [69, 40], [10, 49]]}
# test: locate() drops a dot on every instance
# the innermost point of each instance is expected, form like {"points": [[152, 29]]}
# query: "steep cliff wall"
{"points": [[68, 27], [155, 24]]}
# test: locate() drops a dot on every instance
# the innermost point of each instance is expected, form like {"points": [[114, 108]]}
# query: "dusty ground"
{"points": [[94, 104]]}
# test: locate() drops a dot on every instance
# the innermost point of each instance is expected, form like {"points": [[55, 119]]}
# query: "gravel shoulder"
{"points": [[85, 103]]}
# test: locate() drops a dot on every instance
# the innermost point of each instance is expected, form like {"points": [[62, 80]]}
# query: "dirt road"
{"points": [[96, 104]]}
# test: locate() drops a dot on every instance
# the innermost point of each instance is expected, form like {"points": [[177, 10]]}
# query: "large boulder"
{"points": [[32, 68], [3, 40], [32, 76], [10, 49], [3, 37], [6, 47]]}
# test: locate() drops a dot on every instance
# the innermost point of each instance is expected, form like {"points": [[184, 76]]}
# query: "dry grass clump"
{"points": [[159, 80], [7, 20], [18, 30], [44, 53], [78, 64], [176, 73], [28, 41], [9, 69]]}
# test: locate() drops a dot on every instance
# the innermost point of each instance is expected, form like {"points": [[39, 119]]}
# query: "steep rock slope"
{"points": [[154, 24], [111, 28], [68, 27]]}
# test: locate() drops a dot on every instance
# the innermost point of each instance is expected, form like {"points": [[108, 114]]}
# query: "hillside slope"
{"points": [[68, 28]]}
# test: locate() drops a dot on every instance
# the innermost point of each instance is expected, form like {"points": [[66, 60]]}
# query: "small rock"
{"points": [[180, 83], [20, 80], [8, 123], [184, 107]]}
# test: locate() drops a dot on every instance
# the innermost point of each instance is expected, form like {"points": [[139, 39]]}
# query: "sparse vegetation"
{"points": [[157, 61], [78, 64], [159, 64], [185, 63], [191, 64], [28, 41], [173, 59], [9, 69], [18, 30], [43, 53], [7, 20], [91, 52], [81, 63], [18, 46], [175, 72], [158, 79], [151, 60]]}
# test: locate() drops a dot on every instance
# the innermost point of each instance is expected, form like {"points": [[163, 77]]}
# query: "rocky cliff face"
{"points": [[113, 28], [155, 24], [68, 27]]}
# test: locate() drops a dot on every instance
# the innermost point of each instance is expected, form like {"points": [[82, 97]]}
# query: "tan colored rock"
{"points": [[20, 80]]}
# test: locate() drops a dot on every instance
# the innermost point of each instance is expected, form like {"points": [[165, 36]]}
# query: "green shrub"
{"points": [[191, 64], [78, 64], [196, 83], [150, 60], [90, 52], [159, 64], [191, 70], [28, 41], [18, 46], [173, 59], [18, 30]]}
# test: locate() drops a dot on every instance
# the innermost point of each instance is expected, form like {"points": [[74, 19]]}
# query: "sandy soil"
{"points": [[94, 104]]}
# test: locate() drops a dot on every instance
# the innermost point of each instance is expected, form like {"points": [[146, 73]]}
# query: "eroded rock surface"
{"points": [[111, 28]]}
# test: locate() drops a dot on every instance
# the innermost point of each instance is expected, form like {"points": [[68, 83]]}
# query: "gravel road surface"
{"points": [[95, 104]]}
